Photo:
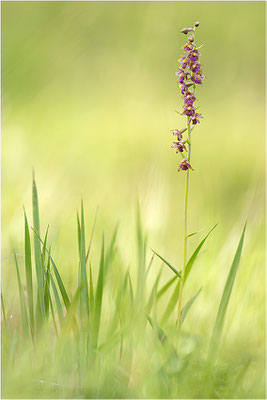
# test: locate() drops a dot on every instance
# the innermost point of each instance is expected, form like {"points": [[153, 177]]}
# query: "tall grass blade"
{"points": [[141, 245], [28, 272], [24, 316], [3, 308], [91, 297], [163, 338], [188, 305], [57, 300], [167, 263], [191, 261], [98, 299], [153, 293], [84, 285], [218, 327], [92, 235], [166, 287], [37, 252], [174, 298]]}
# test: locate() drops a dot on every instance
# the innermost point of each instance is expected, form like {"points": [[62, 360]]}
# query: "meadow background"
{"points": [[88, 100]]}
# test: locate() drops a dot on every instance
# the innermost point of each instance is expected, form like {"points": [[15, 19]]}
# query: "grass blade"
{"points": [[28, 271], [98, 299], [166, 287], [188, 305], [218, 327], [3, 308], [57, 300], [174, 298], [37, 252], [24, 316], [92, 235], [83, 274], [191, 261], [167, 263]]}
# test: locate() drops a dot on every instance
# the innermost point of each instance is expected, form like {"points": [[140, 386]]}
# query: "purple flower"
{"points": [[179, 133], [179, 145], [184, 165], [189, 75], [189, 110], [195, 118]]}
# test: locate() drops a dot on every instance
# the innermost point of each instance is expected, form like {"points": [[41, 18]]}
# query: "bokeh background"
{"points": [[88, 100]]}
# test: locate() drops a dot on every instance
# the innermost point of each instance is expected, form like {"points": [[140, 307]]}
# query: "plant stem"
{"points": [[185, 228]]}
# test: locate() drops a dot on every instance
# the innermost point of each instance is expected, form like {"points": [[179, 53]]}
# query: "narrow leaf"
{"points": [[24, 315], [37, 249], [28, 271], [218, 327], [188, 305], [167, 263]]}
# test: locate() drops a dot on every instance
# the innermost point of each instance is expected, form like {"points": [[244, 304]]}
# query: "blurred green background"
{"points": [[88, 100]]}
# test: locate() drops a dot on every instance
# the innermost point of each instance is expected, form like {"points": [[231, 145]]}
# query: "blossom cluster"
{"points": [[189, 75]]}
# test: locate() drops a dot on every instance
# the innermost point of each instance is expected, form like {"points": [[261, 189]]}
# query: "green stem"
{"points": [[185, 228]]}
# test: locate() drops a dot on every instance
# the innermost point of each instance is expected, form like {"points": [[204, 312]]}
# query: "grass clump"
{"points": [[111, 337]]}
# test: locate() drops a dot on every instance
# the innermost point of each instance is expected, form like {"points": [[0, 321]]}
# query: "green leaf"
{"points": [[194, 233], [153, 293], [166, 287], [83, 274], [141, 247], [3, 308], [188, 305], [28, 271], [92, 235], [98, 299], [57, 300], [91, 297], [163, 338], [24, 316], [167, 263], [191, 261], [218, 327], [37, 252], [174, 298], [69, 320]]}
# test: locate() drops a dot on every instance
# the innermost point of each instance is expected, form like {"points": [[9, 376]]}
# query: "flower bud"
{"points": [[187, 30], [196, 24], [191, 39]]}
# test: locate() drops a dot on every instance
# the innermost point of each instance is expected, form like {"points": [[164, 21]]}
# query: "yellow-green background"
{"points": [[88, 100]]}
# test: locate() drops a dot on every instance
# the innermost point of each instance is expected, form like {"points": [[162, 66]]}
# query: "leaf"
{"points": [[194, 233], [141, 246], [150, 264], [28, 271], [163, 338], [218, 327], [37, 251], [24, 316], [167, 263], [174, 298], [3, 308], [84, 286], [191, 261], [188, 305], [57, 300], [166, 287], [153, 293], [98, 299], [70, 316], [92, 235]]}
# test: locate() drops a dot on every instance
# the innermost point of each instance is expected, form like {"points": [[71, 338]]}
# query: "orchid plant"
{"points": [[189, 77]]}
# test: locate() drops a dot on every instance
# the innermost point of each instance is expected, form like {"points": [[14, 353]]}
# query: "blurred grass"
{"points": [[88, 93]]}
